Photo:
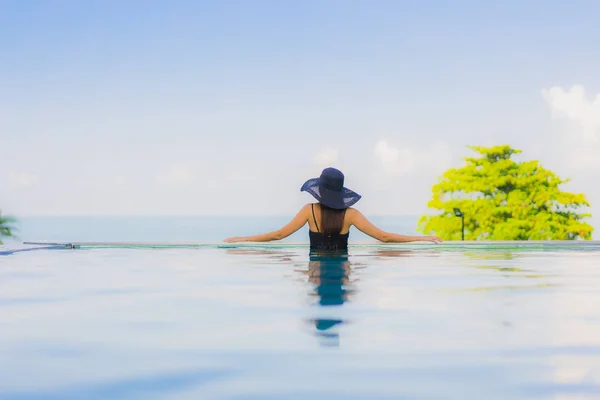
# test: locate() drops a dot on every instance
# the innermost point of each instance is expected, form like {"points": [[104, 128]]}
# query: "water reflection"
{"points": [[330, 274], [392, 253], [332, 286], [279, 255], [492, 255]]}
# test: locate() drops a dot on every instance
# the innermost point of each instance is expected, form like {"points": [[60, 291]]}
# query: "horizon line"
{"points": [[184, 215]]}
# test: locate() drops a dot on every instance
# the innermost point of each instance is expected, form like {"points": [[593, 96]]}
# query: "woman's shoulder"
{"points": [[307, 208], [352, 213]]}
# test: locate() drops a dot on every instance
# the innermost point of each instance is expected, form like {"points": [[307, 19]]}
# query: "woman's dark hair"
{"points": [[332, 220]]}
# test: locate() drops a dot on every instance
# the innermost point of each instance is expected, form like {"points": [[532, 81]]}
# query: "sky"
{"points": [[227, 107]]}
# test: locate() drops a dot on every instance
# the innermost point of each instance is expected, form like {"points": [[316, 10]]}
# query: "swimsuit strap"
{"points": [[315, 218]]}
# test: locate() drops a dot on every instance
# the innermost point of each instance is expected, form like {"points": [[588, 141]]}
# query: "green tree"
{"points": [[6, 227], [502, 199]]}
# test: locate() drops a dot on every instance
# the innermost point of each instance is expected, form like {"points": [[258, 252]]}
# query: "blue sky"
{"points": [[226, 107]]}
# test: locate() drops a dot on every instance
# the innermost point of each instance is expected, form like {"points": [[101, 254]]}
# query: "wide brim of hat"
{"points": [[332, 199]]}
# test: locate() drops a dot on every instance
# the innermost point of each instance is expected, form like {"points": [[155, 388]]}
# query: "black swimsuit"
{"points": [[329, 241]]}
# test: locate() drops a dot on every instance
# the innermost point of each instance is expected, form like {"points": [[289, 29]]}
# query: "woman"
{"points": [[330, 220]]}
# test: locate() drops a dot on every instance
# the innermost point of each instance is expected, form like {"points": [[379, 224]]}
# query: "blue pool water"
{"points": [[278, 324]]}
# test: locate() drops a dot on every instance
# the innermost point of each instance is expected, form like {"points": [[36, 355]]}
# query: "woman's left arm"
{"points": [[295, 224]]}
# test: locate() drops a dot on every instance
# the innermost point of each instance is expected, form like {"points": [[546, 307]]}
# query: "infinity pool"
{"points": [[275, 323]]}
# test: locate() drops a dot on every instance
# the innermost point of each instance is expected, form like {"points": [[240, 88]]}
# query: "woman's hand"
{"points": [[433, 239]]}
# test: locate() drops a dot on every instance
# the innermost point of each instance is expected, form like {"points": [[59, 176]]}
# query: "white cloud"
{"points": [[23, 178], [327, 157], [401, 160], [176, 174], [586, 160], [574, 106], [581, 158], [400, 180], [395, 160]]}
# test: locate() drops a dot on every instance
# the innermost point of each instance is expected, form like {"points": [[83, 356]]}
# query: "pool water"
{"points": [[281, 324]]}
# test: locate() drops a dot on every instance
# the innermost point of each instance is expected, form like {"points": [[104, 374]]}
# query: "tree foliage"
{"points": [[6, 227], [502, 199]]}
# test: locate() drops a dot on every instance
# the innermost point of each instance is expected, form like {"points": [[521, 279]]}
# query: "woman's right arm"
{"points": [[365, 226]]}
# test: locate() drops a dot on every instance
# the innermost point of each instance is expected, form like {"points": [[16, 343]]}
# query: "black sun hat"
{"points": [[330, 191]]}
